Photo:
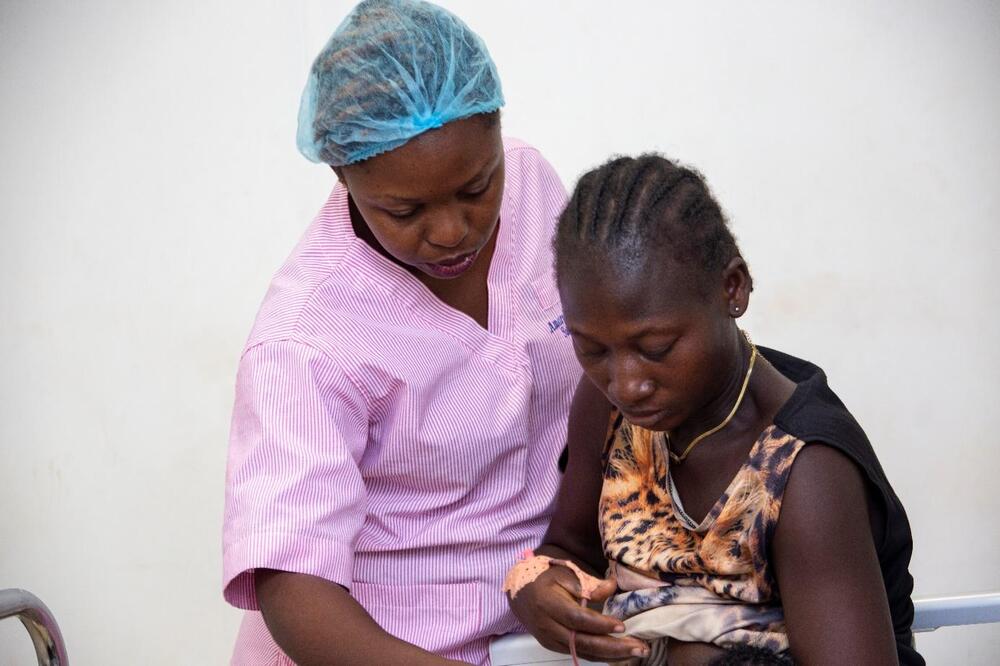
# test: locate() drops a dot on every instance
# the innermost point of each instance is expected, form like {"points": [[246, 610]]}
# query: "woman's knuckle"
{"points": [[579, 615], [550, 641]]}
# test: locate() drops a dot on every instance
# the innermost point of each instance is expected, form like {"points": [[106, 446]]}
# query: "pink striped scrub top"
{"points": [[386, 442]]}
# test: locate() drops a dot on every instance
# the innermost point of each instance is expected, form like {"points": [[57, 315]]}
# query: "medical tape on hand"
{"points": [[531, 566]]}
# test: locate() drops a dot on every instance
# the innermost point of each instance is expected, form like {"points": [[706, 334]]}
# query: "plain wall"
{"points": [[150, 187]]}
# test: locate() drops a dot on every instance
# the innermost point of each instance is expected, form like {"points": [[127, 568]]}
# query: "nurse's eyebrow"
{"points": [[407, 200]]}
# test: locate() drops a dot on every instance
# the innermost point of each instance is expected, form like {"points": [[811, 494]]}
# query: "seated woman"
{"points": [[739, 508]]}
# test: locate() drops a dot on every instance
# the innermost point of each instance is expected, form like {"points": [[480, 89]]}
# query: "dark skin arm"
{"points": [[318, 623], [832, 592], [550, 607]]}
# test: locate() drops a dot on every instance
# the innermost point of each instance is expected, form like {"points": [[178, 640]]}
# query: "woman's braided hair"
{"points": [[631, 207]]}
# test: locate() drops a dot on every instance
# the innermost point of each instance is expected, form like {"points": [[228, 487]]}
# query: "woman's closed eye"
{"points": [[586, 350], [401, 214], [656, 352]]}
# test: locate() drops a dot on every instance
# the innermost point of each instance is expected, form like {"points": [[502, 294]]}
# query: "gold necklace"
{"points": [[678, 459]]}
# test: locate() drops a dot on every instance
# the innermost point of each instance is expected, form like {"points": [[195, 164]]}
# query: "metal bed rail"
{"points": [[937, 612]]}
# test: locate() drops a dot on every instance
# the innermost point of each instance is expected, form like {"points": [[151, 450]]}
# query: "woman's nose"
{"points": [[628, 387], [448, 230]]}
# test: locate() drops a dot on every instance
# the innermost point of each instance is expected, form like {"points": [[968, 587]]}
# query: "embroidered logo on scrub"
{"points": [[559, 324]]}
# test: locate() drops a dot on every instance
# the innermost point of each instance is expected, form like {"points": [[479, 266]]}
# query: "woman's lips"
{"points": [[452, 267], [645, 419]]}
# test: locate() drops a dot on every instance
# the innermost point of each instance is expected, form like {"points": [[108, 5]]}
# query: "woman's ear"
{"points": [[737, 284]]}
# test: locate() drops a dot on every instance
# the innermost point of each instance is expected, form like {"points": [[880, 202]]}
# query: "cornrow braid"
{"points": [[630, 207]]}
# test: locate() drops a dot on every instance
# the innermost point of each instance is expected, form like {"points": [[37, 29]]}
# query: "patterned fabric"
{"points": [[709, 583], [386, 442]]}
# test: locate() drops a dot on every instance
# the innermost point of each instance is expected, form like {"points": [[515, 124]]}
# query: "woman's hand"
{"points": [[550, 606], [550, 609]]}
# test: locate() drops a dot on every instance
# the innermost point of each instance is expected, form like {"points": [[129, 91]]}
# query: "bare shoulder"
{"points": [[823, 472], [825, 501]]}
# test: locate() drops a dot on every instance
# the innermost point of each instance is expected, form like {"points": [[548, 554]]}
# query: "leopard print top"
{"points": [[642, 530]]}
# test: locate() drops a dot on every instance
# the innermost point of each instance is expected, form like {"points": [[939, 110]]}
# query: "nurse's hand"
{"points": [[317, 622], [550, 609]]}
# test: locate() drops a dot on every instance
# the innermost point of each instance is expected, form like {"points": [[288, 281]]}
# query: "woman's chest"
{"points": [[648, 526]]}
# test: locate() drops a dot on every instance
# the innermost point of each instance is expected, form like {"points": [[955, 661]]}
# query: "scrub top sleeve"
{"points": [[295, 498]]}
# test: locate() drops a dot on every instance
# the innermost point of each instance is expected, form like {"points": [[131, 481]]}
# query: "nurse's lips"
{"points": [[452, 267]]}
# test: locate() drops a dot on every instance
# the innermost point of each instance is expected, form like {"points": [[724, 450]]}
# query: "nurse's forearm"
{"points": [[317, 622]]}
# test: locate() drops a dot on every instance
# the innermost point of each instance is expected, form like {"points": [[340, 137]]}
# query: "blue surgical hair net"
{"points": [[392, 70]]}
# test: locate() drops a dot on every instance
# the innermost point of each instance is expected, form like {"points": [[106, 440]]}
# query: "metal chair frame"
{"points": [[40, 623]]}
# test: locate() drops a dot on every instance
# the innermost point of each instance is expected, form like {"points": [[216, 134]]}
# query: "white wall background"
{"points": [[149, 187]]}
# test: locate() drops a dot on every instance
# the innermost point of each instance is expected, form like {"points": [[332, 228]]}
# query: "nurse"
{"points": [[402, 399]]}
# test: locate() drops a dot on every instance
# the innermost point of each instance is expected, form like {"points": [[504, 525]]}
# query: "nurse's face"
{"points": [[432, 205]]}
